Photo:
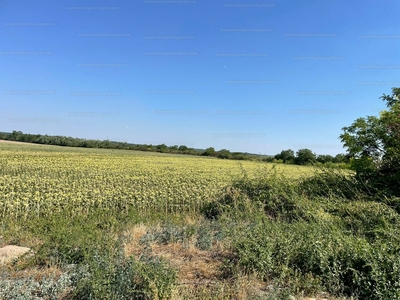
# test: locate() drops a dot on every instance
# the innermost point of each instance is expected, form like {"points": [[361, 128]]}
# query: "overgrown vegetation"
{"points": [[319, 235], [333, 234], [324, 233]]}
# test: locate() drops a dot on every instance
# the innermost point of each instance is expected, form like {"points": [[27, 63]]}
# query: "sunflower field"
{"points": [[40, 180]]}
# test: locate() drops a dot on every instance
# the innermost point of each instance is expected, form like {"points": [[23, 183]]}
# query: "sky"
{"points": [[255, 77]]}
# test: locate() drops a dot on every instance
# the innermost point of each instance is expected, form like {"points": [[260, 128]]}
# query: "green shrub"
{"points": [[333, 260], [168, 234], [205, 233], [277, 197], [70, 240], [327, 233], [127, 278], [372, 220], [233, 200], [330, 183], [46, 287]]}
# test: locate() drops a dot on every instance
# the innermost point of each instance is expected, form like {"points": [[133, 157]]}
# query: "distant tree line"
{"points": [[307, 157], [302, 157], [85, 143]]}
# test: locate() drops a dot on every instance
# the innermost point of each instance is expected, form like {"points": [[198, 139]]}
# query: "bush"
{"points": [[232, 200], [330, 183], [333, 260], [371, 220], [71, 240], [205, 234], [276, 196], [127, 278], [49, 287], [322, 233]]}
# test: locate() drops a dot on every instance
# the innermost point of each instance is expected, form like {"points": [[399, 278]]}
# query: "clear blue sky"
{"points": [[246, 76]]}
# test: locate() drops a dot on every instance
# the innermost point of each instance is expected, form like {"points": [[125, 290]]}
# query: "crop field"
{"points": [[121, 224], [37, 179]]}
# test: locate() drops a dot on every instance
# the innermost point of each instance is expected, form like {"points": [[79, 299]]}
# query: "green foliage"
{"points": [[232, 200], [327, 234], [331, 260], [287, 156], [305, 157], [330, 183], [270, 193], [205, 234], [46, 287], [105, 144], [162, 148], [374, 145], [372, 220], [93, 264], [325, 158], [210, 152], [341, 158], [118, 277], [71, 240], [276, 196], [224, 153], [268, 159]]}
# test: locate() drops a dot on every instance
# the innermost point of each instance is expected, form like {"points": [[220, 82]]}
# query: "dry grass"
{"points": [[11, 252], [37, 273], [200, 273], [194, 266]]}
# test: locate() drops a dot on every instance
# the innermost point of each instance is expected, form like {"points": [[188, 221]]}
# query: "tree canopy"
{"points": [[373, 143]]}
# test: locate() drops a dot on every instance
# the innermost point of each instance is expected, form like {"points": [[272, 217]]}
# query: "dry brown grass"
{"points": [[37, 273], [200, 273], [240, 287], [134, 233], [10, 253], [194, 266]]}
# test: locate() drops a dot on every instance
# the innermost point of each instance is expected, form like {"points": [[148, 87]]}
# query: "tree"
{"points": [[341, 158], [239, 156], [305, 157], [162, 148], [287, 156], [268, 159], [325, 158], [373, 143], [224, 153], [16, 135], [210, 152], [174, 148]]}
